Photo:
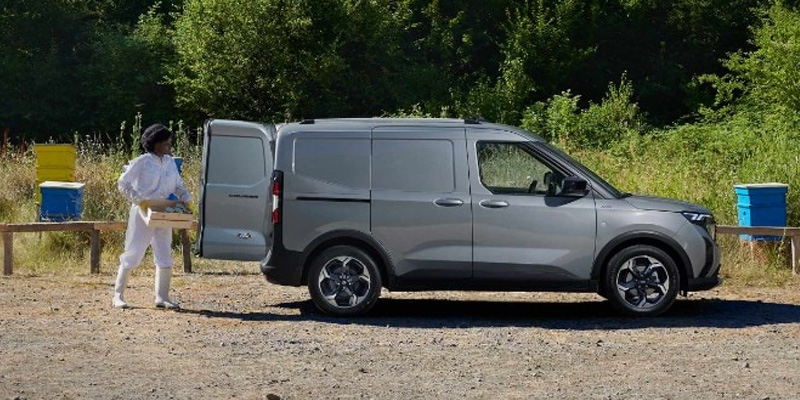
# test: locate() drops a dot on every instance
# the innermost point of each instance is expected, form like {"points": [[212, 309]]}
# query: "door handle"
{"points": [[493, 203], [448, 202], [244, 235]]}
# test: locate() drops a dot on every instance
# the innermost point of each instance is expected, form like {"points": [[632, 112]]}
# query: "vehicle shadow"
{"points": [[593, 315]]}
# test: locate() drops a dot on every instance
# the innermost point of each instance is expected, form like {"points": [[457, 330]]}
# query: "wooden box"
{"points": [[158, 217]]}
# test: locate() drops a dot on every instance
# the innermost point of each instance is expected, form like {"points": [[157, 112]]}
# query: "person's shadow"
{"points": [[592, 315]]}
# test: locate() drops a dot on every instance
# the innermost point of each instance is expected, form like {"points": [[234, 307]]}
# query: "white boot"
{"points": [[119, 288], [163, 277]]}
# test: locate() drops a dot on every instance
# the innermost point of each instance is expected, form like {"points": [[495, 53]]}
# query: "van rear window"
{"points": [[413, 165], [236, 160], [343, 162]]}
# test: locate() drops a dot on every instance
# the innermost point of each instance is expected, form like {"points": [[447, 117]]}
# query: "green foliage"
{"points": [[663, 45], [561, 119], [88, 64], [40, 46], [449, 47], [273, 60], [771, 72], [538, 57], [73, 66]]}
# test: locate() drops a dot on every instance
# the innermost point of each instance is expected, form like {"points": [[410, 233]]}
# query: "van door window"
{"points": [[511, 168]]}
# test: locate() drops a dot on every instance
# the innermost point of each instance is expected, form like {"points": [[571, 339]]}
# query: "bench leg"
{"points": [[8, 253], [186, 245], [94, 256]]}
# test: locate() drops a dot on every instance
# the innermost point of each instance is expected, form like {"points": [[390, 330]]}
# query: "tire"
{"points": [[642, 281], [344, 281]]}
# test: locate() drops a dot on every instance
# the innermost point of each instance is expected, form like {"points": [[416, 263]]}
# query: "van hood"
{"points": [[664, 204]]}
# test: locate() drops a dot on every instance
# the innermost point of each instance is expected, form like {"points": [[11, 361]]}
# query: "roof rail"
{"points": [[307, 122], [474, 121]]}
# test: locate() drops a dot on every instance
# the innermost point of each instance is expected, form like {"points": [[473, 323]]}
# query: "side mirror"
{"points": [[572, 186]]}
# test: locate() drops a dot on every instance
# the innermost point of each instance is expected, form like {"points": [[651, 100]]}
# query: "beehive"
{"points": [[54, 162], [61, 201]]}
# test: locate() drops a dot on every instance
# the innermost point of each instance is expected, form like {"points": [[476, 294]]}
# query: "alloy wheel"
{"points": [[643, 282], [344, 282]]}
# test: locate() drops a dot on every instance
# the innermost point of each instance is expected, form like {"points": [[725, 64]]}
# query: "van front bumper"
{"points": [[283, 267]]}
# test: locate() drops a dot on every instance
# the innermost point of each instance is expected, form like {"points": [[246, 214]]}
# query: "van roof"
{"points": [[380, 121]]}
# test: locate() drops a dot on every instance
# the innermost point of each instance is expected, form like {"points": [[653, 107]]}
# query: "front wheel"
{"points": [[642, 281], [344, 281]]}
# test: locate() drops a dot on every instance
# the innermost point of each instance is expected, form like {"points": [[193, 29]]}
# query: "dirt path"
{"points": [[241, 337]]}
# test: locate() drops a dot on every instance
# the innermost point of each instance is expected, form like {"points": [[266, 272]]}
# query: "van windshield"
{"points": [[596, 178]]}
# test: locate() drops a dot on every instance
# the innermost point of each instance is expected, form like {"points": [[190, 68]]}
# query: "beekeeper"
{"points": [[150, 176]]}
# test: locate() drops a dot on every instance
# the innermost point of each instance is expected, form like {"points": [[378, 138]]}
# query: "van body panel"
{"points": [[312, 218], [618, 218], [533, 237], [420, 201], [235, 198], [328, 183]]}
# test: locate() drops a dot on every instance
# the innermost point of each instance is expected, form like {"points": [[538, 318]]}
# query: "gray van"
{"points": [[350, 206]]}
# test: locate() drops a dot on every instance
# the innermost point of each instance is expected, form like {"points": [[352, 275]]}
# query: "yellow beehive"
{"points": [[55, 174], [55, 156], [54, 162]]}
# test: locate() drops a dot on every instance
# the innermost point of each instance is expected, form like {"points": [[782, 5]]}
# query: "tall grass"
{"points": [[701, 163], [99, 163]]}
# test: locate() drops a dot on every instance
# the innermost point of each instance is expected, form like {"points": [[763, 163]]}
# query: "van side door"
{"points": [[235, 201], [421, 204], [525, 232]]}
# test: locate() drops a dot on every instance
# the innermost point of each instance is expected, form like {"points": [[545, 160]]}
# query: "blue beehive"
{"points": [[761, 204], [61, 201]]}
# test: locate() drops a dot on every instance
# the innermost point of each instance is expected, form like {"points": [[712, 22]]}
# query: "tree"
{"points": [[770, 74], [70, 66], [40, 49], [539, 59], [277, 60]]}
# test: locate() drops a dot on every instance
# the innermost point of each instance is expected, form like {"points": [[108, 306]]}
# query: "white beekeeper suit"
{"points": [[148, 177]]}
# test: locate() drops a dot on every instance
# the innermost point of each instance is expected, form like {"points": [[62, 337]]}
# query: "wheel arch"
{"points": [[655, 239], [349, 238]]}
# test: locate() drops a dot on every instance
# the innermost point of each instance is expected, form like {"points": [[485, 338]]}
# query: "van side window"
{"points": [[343, 162], [511, 168], [413, 165], [246, 167]]}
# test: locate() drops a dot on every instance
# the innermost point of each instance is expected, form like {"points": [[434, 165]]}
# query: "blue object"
{"points": [[172, 197], [61, 201], [761, 204], [178, 163]]}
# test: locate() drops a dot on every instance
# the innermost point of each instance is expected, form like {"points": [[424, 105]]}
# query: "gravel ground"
{"points": [[240, 337]]}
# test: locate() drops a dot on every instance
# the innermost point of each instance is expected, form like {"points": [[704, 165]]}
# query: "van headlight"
{"points": [[706, 221]]}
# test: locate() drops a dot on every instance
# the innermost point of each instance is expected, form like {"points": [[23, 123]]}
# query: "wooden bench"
{"points": [[95, 227], [784, 231]]}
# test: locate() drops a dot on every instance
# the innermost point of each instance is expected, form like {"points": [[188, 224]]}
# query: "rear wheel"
{"points": [[344, 281], [642, 281]]}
